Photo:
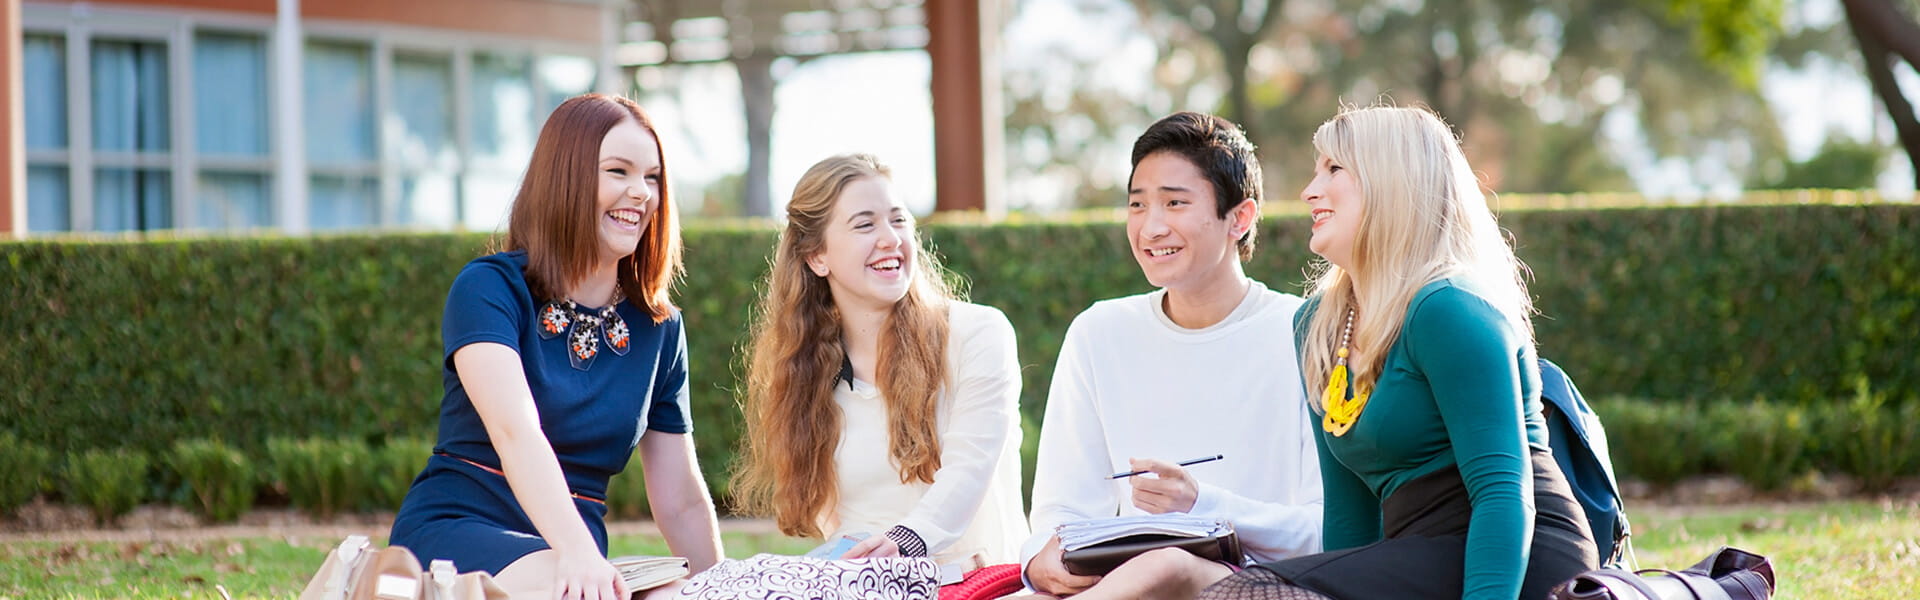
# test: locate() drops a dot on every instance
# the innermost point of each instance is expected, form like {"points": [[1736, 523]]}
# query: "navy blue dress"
{"points": [[460, 507]]}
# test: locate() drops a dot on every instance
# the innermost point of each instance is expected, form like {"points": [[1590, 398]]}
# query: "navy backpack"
{"points": [[1580, 446]]}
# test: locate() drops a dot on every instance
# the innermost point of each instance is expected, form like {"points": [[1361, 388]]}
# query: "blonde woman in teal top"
{"points": [[1417, 350]]}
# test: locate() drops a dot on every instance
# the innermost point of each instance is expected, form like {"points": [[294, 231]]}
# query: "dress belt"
{"points": [[503, 474]]}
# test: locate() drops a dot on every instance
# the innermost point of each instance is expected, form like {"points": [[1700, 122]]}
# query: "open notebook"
{"points": [[648, 572]]}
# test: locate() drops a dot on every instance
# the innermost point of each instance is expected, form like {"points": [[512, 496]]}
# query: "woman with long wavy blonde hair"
{"points": [[1418, 356], [877, 403]]}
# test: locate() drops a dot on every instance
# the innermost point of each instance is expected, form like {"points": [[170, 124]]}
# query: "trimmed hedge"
{"points": [[137, 344], [1769, 445]]}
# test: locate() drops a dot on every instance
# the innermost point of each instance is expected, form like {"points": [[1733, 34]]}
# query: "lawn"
{"points": [[1852, 549]]}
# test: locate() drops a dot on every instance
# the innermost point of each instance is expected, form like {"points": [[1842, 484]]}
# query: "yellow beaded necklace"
{"points": [[1341, 411]]}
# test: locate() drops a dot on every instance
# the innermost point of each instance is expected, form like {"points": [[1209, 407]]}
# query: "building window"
{"points": [[135, 122], [341, 146], [232, 189], [424, 148], [44, 60], [502, 123], [131, 136]]}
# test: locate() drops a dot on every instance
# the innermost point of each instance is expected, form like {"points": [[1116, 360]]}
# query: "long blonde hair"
{"points": [[793, 425], [1424, 219]]}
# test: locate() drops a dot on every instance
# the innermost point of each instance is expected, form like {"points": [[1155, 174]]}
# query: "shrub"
{"points": [[320, 476], [1874, 441], [391, 471], [220, 478], [627, 492], [24, 470], [1654, 442], [108, 482], [1768, 443]]}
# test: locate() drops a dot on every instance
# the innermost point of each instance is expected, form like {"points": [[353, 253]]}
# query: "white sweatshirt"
{"points": [[1131, 383]]}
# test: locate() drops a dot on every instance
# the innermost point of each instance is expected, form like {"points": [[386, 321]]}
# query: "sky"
{"points": [[880, 103]]}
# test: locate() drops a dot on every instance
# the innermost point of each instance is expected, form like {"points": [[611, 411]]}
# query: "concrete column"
{"points": [[13, 126], [289, 139], [968, 119]]}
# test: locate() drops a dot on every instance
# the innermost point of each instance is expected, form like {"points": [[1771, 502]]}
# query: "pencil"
{"points": [[1184, 463]]}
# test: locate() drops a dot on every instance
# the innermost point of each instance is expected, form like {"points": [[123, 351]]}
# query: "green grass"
{"points": [[248, 568], [1850, 550]]}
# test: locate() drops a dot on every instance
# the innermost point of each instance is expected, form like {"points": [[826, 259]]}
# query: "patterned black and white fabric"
{"points": [[770, 577]]}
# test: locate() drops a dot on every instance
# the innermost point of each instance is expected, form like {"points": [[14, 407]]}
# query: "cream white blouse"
{"points": [[972, 510]]}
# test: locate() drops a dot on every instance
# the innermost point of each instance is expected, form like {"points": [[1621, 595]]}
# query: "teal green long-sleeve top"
{"points": [[1460, 387]]}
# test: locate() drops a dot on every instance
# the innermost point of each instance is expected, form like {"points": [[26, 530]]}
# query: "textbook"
{"points": [[648, 572], [1096, 546]]}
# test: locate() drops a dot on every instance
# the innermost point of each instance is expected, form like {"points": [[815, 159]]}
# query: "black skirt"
{"points": [[1423, 554]]}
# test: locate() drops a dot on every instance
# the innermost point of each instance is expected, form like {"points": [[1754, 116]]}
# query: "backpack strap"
{"points": [[1558, 391]]}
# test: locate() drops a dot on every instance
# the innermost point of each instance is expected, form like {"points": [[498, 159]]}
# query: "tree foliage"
{"points": [[1538, 90]]}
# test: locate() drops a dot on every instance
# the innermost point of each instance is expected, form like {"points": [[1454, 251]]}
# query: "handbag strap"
{"points": [[1700, 587], [1751, 585], [1619, 584]]}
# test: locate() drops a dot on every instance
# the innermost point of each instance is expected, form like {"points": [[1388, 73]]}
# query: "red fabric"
{"points": [[985, 583]]}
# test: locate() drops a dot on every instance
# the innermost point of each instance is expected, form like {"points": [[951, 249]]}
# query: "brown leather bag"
{"points": [[1727, 574]]}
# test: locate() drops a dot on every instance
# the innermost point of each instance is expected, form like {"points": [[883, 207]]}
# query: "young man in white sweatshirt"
{"points": [[1204, 365]]}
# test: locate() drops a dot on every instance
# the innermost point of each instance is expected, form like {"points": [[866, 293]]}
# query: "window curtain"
{"points": [[131, 200], [339, 103], [340, 134], [230, 122], [130, 118], [230, 95], [48, 199], [130, 96], [43, 61]]}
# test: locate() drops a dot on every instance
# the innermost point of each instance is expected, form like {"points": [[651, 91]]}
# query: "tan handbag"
{"points": [[446, 583], [354, 571]]}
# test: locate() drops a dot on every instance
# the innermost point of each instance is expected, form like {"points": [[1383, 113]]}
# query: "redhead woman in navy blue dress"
{"points": [[563, 356]]}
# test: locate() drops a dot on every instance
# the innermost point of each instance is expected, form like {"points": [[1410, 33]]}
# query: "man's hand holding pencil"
{"points": [[1170, 489]]}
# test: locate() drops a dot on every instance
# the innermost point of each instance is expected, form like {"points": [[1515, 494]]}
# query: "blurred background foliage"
{"points": [[1549, 97]]}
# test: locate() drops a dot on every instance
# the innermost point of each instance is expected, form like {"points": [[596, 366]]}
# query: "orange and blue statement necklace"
{"points": [[1341, 410], [588, 327]]}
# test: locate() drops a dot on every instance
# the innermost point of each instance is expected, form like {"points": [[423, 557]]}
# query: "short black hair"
{"points": [[1219, 149]]}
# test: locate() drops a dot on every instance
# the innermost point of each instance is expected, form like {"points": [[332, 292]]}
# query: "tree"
{"points": [[1885, 32], [1841, 163], [1233, 27], [1529, 85]]}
